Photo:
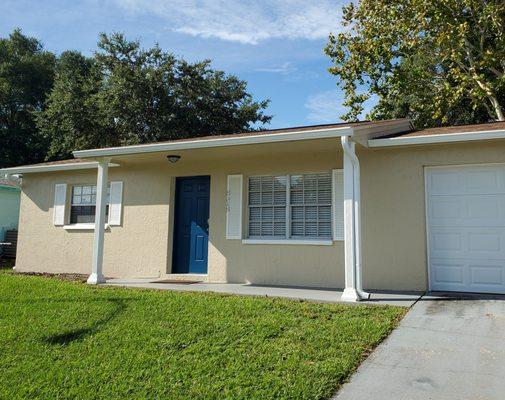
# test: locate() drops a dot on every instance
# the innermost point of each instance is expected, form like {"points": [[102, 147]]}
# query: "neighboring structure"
{"points": [[9, 207], [321, 206]]}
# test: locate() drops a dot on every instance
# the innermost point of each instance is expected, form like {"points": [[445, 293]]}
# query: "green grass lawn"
{"points": [[61, 340]]}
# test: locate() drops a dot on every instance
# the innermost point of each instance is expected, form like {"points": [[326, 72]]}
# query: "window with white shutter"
{"points": [[290, 206]]}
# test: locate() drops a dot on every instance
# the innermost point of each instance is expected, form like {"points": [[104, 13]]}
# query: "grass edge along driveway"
{"points": [[69, 340]]}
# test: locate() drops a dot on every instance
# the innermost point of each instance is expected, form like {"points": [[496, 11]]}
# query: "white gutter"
{"points": [[438, 138], [217, 142], [356, 237], [51, 168]]}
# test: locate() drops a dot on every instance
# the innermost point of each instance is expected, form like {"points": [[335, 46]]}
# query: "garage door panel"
{"points": [[467, 210], [488, 243], [483, 180], [445, 211], [467, 180], [444, 181], [467, 243], [448, 272], [489, 275], [466, 228]]}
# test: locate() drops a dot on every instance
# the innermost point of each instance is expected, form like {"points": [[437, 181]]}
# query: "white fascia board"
{"points": [[51, 168], [218, 142], [440, 138]]}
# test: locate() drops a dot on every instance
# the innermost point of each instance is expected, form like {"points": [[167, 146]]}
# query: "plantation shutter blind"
{"points": [[116, 198], [234, 207], [267, 206], [338, 204], [311, 199], [60, 199]]}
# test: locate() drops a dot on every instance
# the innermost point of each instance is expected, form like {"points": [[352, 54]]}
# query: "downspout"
{"points": [[349, 150]]}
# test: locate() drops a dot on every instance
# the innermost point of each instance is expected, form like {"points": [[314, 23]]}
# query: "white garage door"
{"points": [[466, 228]]}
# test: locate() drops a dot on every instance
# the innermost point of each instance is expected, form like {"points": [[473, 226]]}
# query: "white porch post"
{"points": [[350, 292], [101, 200]]}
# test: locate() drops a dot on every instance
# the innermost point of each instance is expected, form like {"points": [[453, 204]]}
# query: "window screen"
{"points": [[284, 206], [83, 204]]}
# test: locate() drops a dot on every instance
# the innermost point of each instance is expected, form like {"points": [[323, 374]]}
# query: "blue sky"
{"points": [[277, 46]]}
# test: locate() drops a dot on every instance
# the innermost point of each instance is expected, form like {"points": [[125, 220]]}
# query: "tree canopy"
{"points": [[129, 95], [438, 62], [26, 76], [123, 94]]}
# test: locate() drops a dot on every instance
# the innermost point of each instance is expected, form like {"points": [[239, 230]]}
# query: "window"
{"points": [[290, 206], [83, 204]]}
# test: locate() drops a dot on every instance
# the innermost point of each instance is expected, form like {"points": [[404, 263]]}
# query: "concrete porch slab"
{"points": [[404, 299]]}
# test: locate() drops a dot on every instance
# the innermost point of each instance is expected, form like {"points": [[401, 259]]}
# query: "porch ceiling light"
{"points": [[173, 158]]}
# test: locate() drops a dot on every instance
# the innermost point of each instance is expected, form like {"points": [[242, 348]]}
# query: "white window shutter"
{"points": [[115, 206], [338, 204], [60, 200], [234, 207]]}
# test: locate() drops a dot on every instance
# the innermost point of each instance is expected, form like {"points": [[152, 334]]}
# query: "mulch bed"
{"points": [[62, 277]]}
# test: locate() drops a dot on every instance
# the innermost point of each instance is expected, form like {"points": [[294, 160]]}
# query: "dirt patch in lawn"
{"points": [[62, 277]]}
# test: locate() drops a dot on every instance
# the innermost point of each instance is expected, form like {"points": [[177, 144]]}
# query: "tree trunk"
{"points": [[497, 108]]}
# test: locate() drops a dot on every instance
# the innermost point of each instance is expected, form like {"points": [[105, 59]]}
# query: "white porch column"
{"points": [[101, 200], [350, 291]]}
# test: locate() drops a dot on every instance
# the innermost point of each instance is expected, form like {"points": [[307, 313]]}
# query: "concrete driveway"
{"points": [[445, 348]]}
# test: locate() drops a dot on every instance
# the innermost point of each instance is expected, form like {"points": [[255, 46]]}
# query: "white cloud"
{"points": [[246, 22], [327, 107], [284, 69]]}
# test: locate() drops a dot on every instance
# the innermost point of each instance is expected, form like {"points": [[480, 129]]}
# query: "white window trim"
{"points": [[311, 242], [82, 227], [288, 239]]}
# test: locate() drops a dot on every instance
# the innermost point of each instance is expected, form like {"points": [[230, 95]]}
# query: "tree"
{"points": [[26, 76], [129, 95], [70, 119], [439, 62]]}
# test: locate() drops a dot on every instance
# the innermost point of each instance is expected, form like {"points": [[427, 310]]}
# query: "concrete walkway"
{"points": [[323, 295], [444, 349]]}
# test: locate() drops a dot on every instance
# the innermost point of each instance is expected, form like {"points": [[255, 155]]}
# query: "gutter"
{"points": [[438, 138], [217, 142], [51, 168], [356, 238]]}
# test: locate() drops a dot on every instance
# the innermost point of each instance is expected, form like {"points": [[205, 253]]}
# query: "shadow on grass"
{"points": [[74, 335]]}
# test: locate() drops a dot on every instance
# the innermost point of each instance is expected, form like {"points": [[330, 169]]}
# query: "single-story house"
{"points": [[374, 205], [9, 208]]}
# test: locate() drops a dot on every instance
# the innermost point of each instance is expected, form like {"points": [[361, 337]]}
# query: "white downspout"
{"points": [[349, 149]]}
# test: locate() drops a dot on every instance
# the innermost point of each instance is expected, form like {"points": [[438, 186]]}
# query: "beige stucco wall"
{"points": [[393, 215], [142, 246], [393, 208]]}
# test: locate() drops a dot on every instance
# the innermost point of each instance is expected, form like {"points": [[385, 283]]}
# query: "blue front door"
{"points": [[191, 230]]}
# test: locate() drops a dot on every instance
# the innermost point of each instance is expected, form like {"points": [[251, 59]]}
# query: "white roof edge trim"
{"points": [[51, 168], [218, 142], [438, 138]]}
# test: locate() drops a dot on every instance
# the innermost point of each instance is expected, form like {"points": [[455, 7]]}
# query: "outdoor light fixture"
{"points": [[173, 158]]}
